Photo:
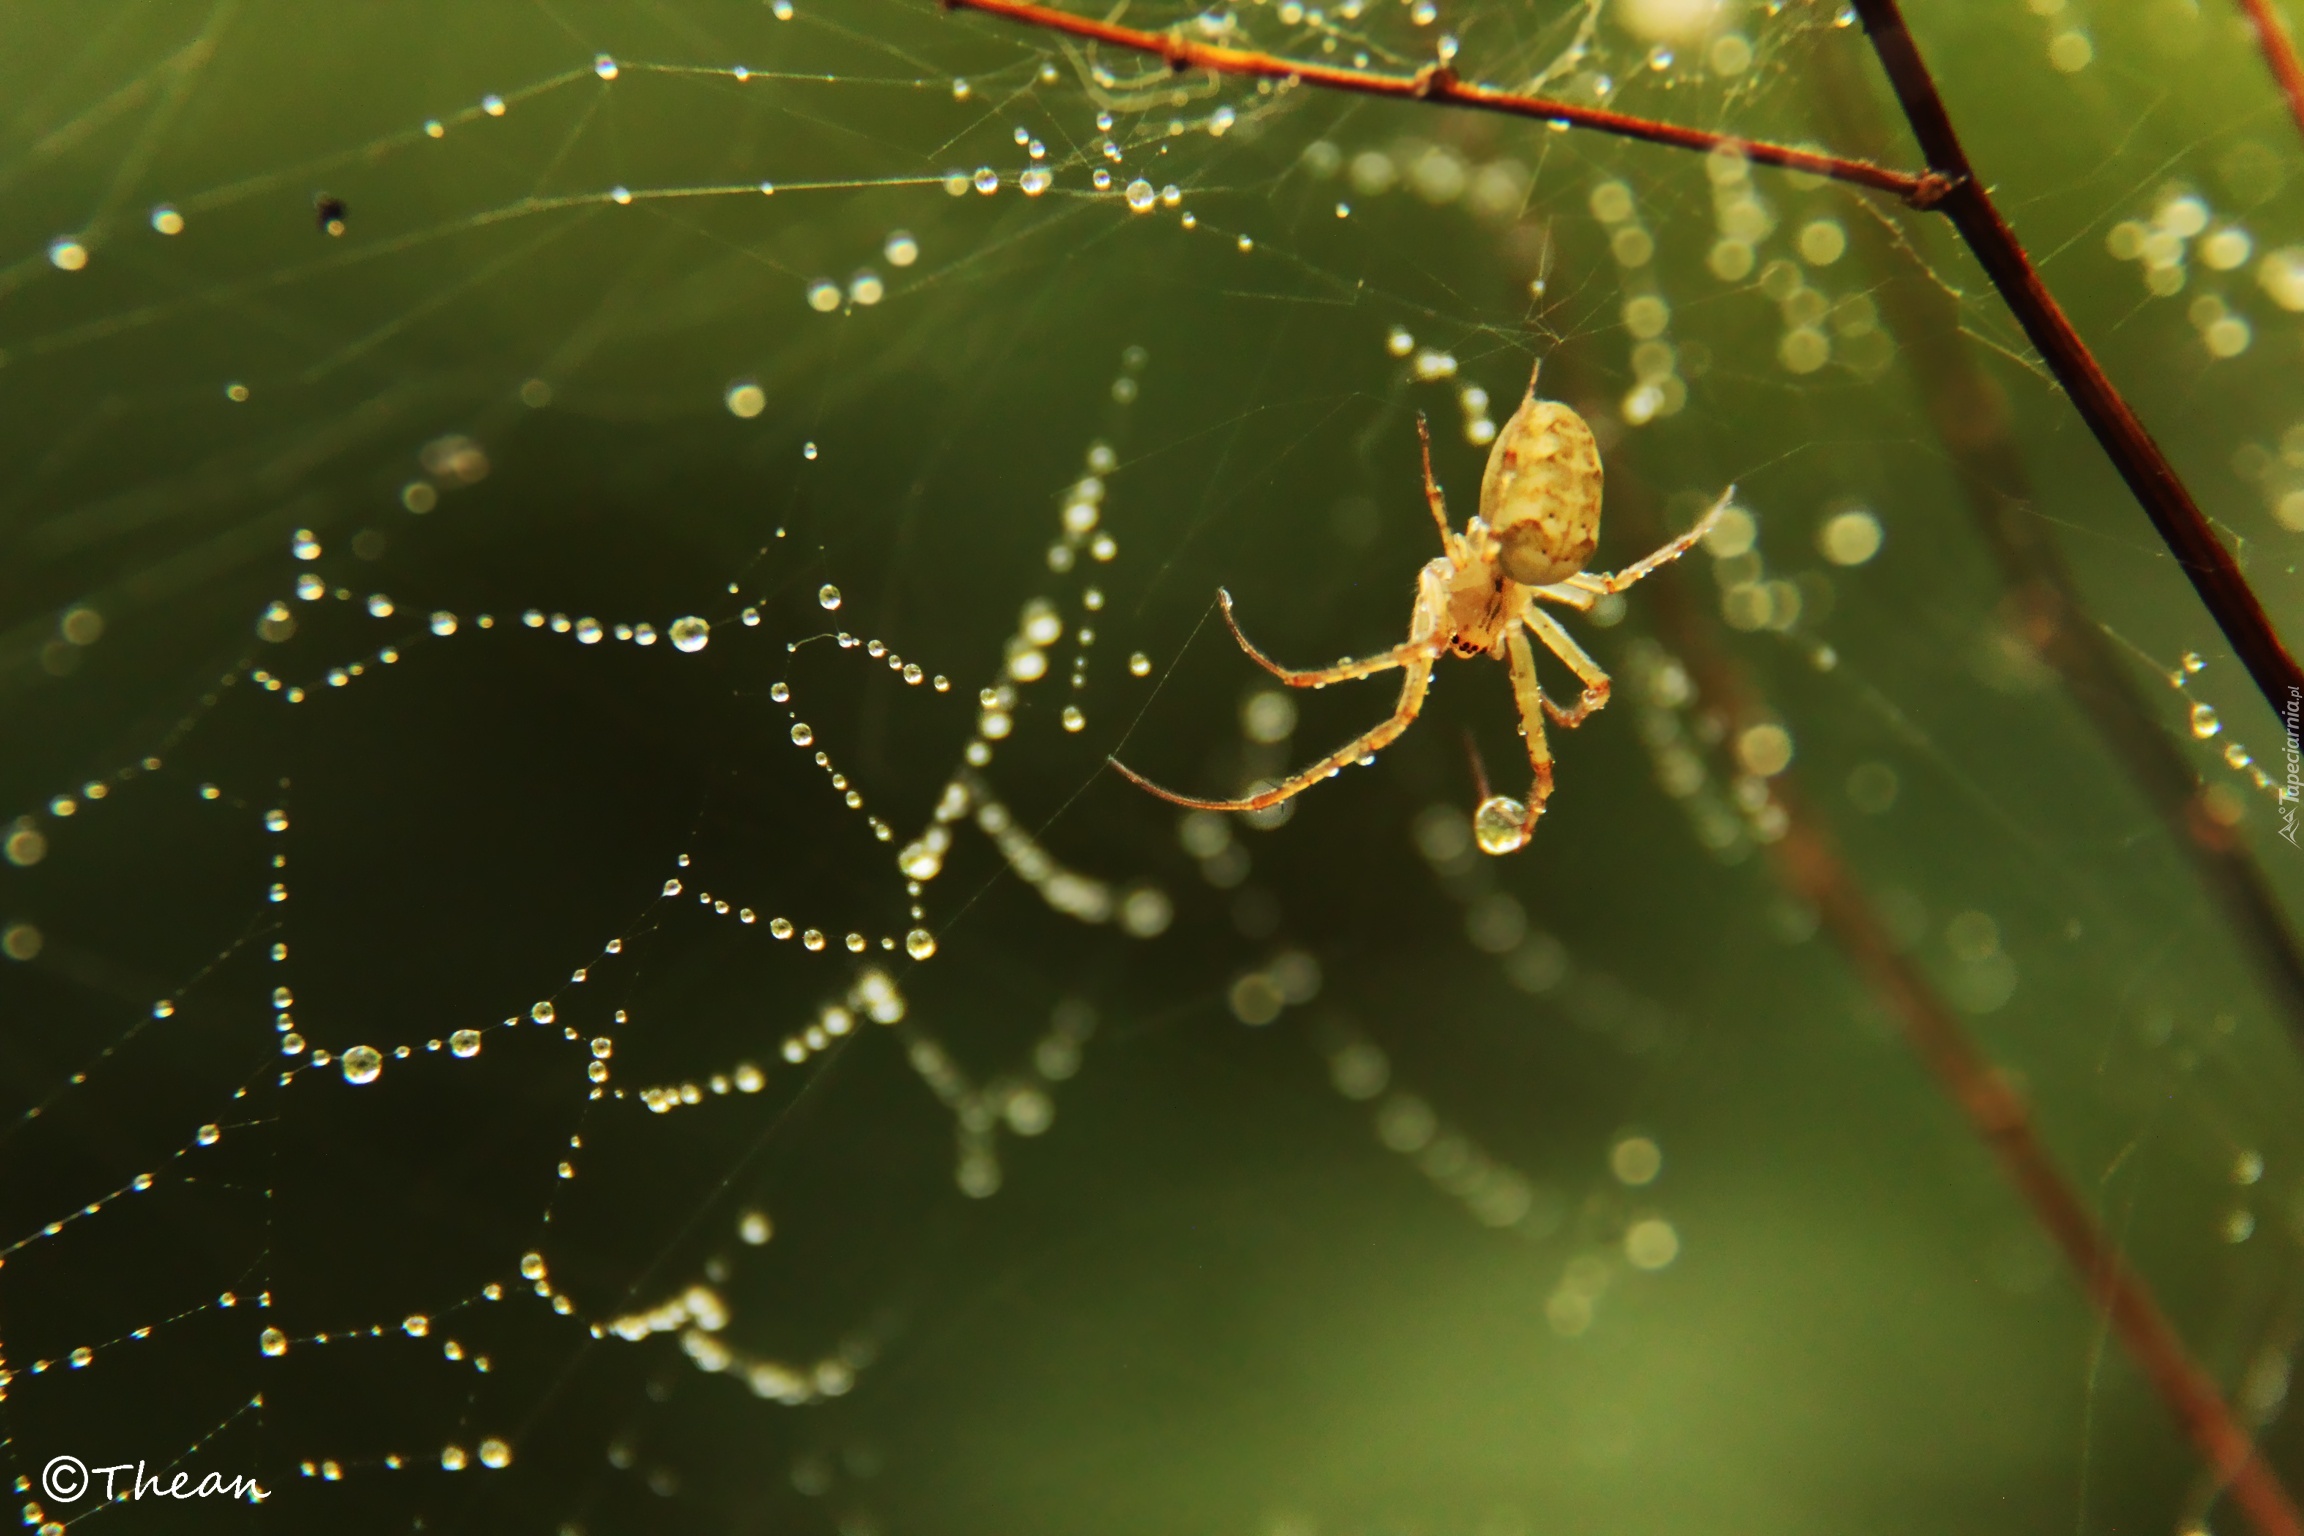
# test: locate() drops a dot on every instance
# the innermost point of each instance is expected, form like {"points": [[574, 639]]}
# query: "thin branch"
{"points": [[1438, 83], [1948, 186], [1807, 859], [2279, 52], [1959, 397], [2215, 575], [1997, 1113]]}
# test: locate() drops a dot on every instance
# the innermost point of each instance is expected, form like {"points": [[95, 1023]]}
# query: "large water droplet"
{"points": [[1141, 196], [465, 1042], [920, 944], [802, 735], [1498, 826], [543, 1013], [690, 634], [273, 1342], [362, 1064], [828, 595], [495, 1453], [2204, 721]]}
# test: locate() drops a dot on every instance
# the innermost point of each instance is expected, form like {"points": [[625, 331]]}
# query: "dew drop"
{"points": [[273, 1342], [1035, 181], [443, 623], [465, 1042], [901, 250], [543, 1013], [802, 734], [781, 927], [452, 1458], [1141, 196], [812, 940], [987, 180], [208, 1135], [362, 1064], [275, 821], [828, 596], [2204, 721], [690, 634], [920, 944], [1498, 825], [495, 1453], [1074, 720]]}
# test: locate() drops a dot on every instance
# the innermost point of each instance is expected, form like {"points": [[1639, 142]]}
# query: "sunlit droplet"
{"points": [[802, 734], [465, 1042], [362, 1064], [690, 634], [901, 249], [2204, 721], [273, 1342], [920, 944], [1141, 196], [1499, 825]]}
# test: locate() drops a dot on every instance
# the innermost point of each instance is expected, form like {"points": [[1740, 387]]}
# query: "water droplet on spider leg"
{"points": [[1498, 826], [828, 597]]}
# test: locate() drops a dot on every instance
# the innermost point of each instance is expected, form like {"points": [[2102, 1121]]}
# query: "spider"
{"points": [[1539, 521]]}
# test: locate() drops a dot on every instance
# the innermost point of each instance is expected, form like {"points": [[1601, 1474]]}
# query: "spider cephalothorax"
{"points": [[1539, 522]]}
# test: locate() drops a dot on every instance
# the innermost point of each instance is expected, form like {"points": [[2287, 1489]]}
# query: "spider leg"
{"points": [[1601, 585], [1425, 643], [1343, 671], [1563, 645], [1412, 690], [1432, 496], [1532, 704]]}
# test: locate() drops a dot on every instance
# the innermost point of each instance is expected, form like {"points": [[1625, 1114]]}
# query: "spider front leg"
{"points": [[1432, 497], [1321, 677], [1563, 645], [1426, 640], [1412, 691], [1605, 583]]}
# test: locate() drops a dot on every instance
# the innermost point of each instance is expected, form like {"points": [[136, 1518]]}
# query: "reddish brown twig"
{"points": [[1438, 83], [2280, 53], [1985, 457], [1808, 860], [1948, 186], [1998, 1114], [2215, 575]]}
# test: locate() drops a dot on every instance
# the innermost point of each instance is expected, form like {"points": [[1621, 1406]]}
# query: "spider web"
{"points": [[572, 963]]}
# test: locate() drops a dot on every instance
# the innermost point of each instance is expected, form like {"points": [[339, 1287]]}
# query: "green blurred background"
{"points": [[1396, 1189]]}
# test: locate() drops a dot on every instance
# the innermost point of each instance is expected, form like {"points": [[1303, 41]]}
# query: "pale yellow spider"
{"points": [[1539, 521]]}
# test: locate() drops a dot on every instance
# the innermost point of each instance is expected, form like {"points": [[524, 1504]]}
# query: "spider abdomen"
{"points": [[1541, 493]]}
